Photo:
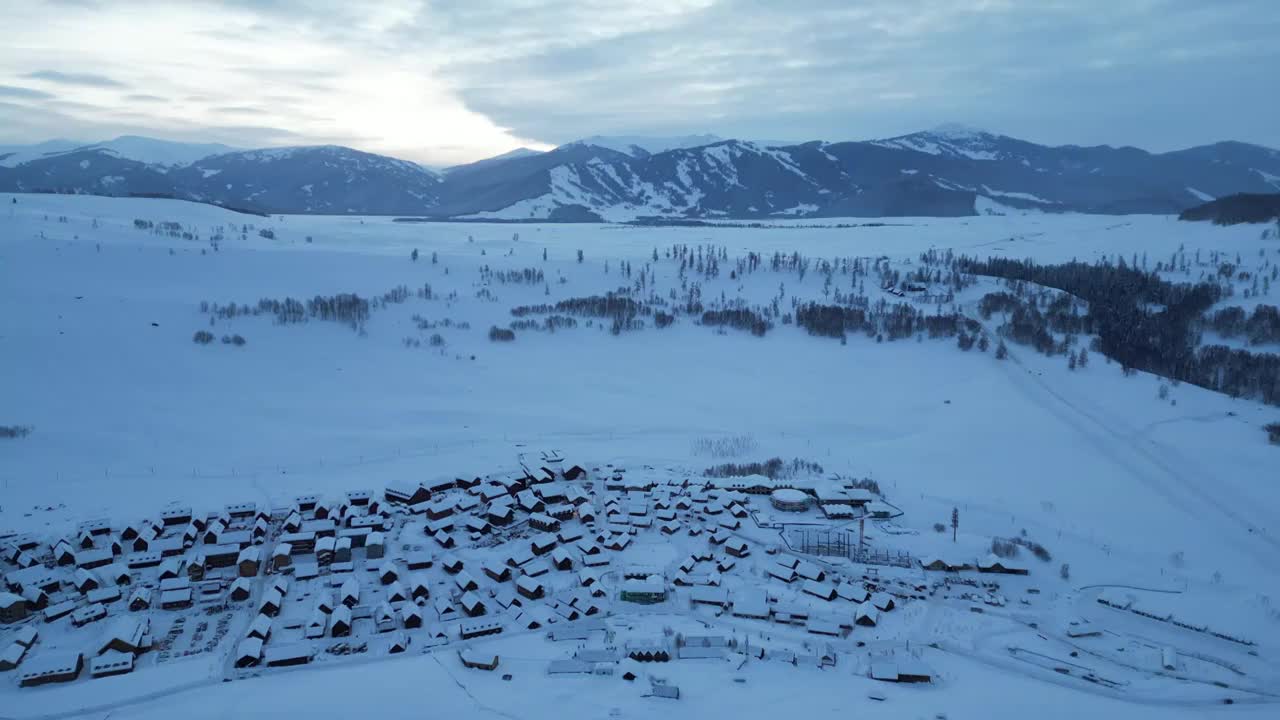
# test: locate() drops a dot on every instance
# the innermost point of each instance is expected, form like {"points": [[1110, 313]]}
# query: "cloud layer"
{"points": [[456, 80]]}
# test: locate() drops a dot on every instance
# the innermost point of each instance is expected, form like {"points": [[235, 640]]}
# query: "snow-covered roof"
{"points": [[126, 631], [250, 647], [651, 584]]}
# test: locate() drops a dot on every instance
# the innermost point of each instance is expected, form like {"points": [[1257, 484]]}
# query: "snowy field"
{"points": [[128, 414]]}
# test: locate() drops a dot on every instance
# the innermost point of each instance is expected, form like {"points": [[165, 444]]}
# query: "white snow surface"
{"points": [[129, 414]]}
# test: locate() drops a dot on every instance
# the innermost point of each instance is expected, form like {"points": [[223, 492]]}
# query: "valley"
{"points": [[1146, 494]]}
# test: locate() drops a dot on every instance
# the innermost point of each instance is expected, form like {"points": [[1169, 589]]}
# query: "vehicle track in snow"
{"points": [[1121, 446]]}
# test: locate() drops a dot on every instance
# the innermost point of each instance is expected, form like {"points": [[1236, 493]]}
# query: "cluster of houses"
{"points": [[842, 499], [989, 564], [424, 563], [179, 560], [591, 658], [115, 653], [844, 604]]}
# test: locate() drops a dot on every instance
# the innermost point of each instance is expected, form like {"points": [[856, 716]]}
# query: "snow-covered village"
{"points": [[635, 360], [616, 470]]}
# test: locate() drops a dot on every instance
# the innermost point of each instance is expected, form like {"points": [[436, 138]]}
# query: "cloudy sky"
{"points": [[449, 81]]}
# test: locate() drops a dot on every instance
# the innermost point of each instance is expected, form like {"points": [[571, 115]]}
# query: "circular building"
{"points": [[789, 500]]}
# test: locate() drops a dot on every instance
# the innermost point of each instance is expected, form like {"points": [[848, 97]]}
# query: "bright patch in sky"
{"points": [[447, 81]]}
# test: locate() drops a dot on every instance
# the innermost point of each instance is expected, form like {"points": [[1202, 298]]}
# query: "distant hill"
{"points": [[489, 162], [129, 147], [1236, 209]]}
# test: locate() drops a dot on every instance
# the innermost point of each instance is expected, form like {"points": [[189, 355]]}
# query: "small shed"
{"points": [[260, 628], [349, 594], [497, 570], [529, 587], [140, 599], [737, 548], [419, 586], [387, 572], [241, 588], [478, 659], [411, 616], [12, 607], [248, 652], [340, 621], [471, 604]]}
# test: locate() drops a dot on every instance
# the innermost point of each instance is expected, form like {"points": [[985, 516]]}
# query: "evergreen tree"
{"points": [[414, 255], [955, 523]]}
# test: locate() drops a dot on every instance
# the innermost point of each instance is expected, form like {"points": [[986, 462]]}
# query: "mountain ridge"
{"points": [[948, 171]]}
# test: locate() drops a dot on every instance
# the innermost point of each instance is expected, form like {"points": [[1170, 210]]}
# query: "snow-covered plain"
{"points": [[128, 414]]}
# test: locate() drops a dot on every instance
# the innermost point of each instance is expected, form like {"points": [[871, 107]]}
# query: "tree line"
{"points": [[1144, 322]]}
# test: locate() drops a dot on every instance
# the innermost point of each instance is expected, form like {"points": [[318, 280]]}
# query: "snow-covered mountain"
{"points": [[954, 140], [321, 179], [642, 145], [15, 155], [950, 171], [129, 147], [947, 171], [520, 152]]}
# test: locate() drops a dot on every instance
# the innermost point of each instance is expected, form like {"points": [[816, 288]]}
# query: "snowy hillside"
{"points": [[166, 357]]}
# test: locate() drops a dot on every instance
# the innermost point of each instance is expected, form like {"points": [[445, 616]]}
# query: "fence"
{"points": [[844, 543]]}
